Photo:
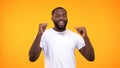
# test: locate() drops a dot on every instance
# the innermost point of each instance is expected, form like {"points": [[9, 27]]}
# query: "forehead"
{"points": [[60, 11]]}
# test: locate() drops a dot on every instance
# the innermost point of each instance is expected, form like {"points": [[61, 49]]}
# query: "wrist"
{"points": [[85, 37]]}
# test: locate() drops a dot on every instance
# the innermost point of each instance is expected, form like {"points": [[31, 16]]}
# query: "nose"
{"points": [[61, 18]]}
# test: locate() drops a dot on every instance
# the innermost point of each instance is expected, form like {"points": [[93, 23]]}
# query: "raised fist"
{"points": [[82, 31], [42, 28]]}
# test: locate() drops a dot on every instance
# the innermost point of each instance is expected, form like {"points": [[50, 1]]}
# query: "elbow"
{"points": [[32, 59], [91, 58], [33, 56]]}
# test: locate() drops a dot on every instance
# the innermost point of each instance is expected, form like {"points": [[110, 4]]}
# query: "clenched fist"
{"points": [[82, 31], [42, 28]]}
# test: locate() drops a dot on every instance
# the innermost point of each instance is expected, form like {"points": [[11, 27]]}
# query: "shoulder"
{"points": [[48, 31], [74, 34]]}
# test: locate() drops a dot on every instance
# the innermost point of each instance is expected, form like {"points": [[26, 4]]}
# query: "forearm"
{"points": [[35, 48], [89, 51]]}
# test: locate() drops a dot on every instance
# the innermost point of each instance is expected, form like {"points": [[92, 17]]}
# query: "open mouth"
{"points": [[61, 23]]}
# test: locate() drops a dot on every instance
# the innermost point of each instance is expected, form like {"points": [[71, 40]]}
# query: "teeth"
{"points": [[61, 22]]}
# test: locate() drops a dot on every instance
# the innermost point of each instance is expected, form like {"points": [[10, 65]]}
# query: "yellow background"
{"points": [[19, 20]]}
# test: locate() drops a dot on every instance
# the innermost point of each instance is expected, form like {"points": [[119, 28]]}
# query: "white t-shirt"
{"points": [[59, 48]]}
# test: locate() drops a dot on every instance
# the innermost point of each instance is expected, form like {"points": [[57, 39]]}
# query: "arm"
{"points": [[35, 49], [87, 51]]}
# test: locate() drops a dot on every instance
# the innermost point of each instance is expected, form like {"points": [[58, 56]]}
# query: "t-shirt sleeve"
{"points": [[80, 42]]}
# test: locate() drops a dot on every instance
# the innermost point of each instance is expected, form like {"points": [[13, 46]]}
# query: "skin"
{"points": [[60, 20], [35, 49]]}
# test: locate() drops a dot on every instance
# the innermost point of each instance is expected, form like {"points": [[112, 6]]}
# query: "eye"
{"points": [[64, 15], [57, 16]]}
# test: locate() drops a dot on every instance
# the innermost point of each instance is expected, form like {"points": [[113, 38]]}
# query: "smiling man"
{"points": [[59, 43]]}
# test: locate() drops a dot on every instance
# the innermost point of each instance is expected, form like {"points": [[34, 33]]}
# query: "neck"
{"points": [[59, 30]]}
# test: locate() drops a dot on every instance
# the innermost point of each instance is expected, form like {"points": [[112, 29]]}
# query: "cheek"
{"points": [[55, 19], [66, 20]]}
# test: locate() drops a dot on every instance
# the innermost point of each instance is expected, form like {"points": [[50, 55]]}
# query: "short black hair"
{"points": [[58, 8]]}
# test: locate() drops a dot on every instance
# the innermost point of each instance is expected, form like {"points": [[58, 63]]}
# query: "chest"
{"points": [[61, 42]]}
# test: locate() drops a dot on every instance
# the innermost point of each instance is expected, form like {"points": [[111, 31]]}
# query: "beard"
{"points": [[61, 24]]}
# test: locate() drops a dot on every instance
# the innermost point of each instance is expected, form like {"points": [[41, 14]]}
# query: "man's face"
{"points": [[59, 18]]}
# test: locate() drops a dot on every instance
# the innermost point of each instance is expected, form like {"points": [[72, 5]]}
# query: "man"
{"points": [[59, 43]]}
